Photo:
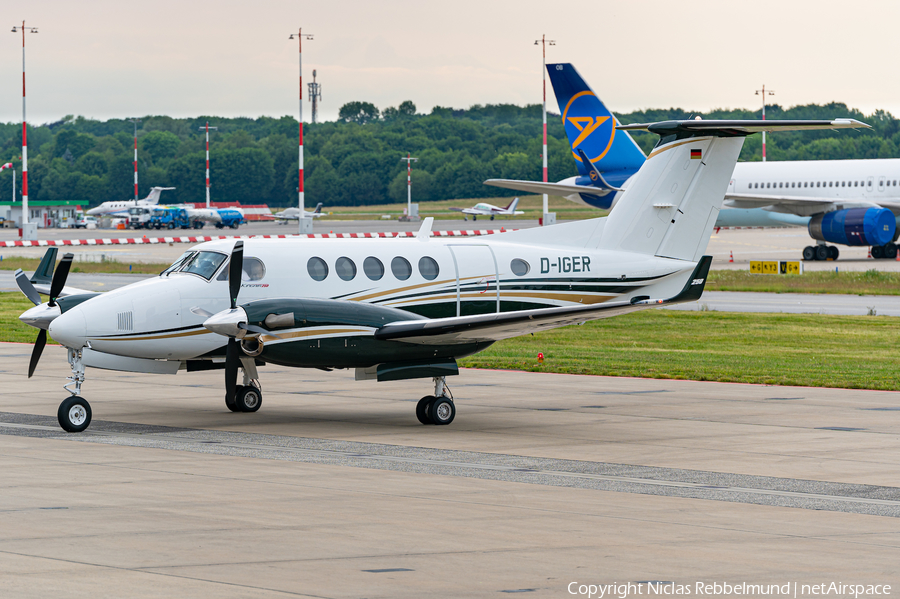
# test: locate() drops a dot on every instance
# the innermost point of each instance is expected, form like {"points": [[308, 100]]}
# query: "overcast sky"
{"points": [[114, 58]]}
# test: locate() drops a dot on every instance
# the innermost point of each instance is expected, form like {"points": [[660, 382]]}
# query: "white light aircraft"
{"points": [[289, 214], [395, 309], [484, 209], [120, 208], [846, 202]]}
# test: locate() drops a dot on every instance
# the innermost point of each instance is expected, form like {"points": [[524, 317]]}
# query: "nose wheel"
{"points": [[74, 414]]}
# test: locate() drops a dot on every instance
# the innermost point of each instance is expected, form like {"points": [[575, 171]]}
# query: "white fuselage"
{"points": [[119, 208], [485, 209], [153, 318]]}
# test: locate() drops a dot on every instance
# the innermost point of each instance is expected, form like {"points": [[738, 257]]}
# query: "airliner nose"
{"points": [[70, 329]]}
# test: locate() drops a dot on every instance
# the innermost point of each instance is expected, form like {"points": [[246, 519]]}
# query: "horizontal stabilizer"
{"points": [[596, 177], [553, 189], [736, 128]]}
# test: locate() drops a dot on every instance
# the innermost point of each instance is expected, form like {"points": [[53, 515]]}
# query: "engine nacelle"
{"points": [[854, 226]]}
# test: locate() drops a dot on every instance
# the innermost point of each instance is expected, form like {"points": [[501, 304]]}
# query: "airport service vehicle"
{"points": [[485, 209], [396, 309], [289, 214], [169, 218], [230, 217], [121, 208], [85, 222], [843, 202]]}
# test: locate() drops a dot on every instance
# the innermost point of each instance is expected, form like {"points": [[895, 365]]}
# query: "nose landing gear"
{"points": [[74, 413]]}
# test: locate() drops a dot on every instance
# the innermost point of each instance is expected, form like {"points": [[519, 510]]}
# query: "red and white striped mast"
{"points": [[305, 224], [543, 42], [24, 129], [135, 121], [762, 92], [207, 128]]}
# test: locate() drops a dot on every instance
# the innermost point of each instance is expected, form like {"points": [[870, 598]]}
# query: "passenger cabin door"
{"points": [[477, 289]]}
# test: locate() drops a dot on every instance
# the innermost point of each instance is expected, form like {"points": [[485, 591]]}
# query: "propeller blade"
{"points": [[39, 344], [59, 278], [235, 269], [201, 312], [27, 288], [232, 362], [255, 329]]}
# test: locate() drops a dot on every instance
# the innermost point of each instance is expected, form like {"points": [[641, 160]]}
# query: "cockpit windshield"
{"points": [[204, 264]]}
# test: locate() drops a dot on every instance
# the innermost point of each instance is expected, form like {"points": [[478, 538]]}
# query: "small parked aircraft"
{"points": [[289, 214], [121, 207], [395, 309], [484, 209]]}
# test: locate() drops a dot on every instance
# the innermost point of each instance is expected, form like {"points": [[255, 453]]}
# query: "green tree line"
{"points": [[355, 160]]}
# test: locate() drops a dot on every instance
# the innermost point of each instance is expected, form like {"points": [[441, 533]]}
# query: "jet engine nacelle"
{"points": [[854, 226]]}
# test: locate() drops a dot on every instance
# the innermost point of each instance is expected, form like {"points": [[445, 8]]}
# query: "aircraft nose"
{"points": [[70, 329]]}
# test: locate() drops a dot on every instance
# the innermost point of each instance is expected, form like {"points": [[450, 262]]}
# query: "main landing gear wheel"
{"points": [[833, 252], [422, 409], [442, 411], [230, 401], [249, 398], [74, 414], [809, 253]]}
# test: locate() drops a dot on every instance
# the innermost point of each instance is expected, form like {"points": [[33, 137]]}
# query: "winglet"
{"points": [[44, 272], [424, 233]]}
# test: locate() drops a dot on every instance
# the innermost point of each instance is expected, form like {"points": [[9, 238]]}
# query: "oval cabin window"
{"points": [[345, 268], [428, 268], [519, 267], [317, 269], [401, 268], [373, 268]]}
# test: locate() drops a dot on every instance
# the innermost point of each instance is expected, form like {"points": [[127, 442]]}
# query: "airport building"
{"points": [[46, 213]]}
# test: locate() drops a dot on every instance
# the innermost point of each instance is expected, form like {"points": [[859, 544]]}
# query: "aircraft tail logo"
{"points": [[590, 126]]}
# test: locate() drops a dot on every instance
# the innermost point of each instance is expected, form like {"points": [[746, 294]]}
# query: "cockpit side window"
{"points": [[253, 270], [178, 263], [204, 264]]}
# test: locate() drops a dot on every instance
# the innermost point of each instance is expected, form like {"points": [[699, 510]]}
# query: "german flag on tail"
{"points": [[696, 154]]}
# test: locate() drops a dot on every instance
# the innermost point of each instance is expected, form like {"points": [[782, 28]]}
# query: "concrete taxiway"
{"points": [[333, 489]]}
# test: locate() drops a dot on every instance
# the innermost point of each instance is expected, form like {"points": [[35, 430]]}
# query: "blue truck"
{"points": [[169, 218]]}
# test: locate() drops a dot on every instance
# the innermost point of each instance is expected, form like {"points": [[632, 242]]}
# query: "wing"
{"points": [[504, 325], [556, 189]]}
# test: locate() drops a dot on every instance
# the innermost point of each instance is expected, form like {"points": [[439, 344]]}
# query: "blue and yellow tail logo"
{"points": [[591, 133], [590, 126]]}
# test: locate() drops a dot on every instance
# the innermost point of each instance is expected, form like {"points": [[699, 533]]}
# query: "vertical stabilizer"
{"points": [[153, 196]]}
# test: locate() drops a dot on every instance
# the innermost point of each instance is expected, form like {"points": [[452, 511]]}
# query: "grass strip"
{"points": [[870, 282], [856, 352]]}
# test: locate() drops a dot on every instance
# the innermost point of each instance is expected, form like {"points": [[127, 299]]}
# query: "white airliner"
{"points": [[396, 309], [485, 209], [120, 208], [845, 202], [289, 214]]}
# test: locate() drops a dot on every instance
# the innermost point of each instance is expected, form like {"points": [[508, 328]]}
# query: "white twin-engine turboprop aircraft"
{"points": [[396, 309]]}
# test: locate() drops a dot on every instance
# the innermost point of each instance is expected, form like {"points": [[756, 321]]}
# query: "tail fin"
{"points": [[591, 127], [512, 206], [318, 209], [670, 207], [153, 196]]}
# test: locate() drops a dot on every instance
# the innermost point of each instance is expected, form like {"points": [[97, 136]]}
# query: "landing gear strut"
{"points": [[74, 414], [248, 396], [438, 408]]}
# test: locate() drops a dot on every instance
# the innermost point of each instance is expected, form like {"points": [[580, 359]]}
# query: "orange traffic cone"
{"points": [[731, 257], [870, 252], [898, 256]]}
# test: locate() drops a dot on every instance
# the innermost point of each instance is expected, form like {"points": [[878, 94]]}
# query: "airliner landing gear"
{"points": [[888, 251], [74, 413], [437, 408], [820, 252]]}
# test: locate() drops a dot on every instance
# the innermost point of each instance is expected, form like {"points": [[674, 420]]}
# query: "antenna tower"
{"points": [[315, 94]]}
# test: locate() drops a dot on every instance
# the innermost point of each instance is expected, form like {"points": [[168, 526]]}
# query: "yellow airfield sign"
{"points": [[776, 267]]}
